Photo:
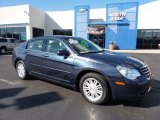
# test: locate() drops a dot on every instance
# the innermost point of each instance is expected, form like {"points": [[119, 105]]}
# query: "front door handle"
{"points": [[46, 55]]}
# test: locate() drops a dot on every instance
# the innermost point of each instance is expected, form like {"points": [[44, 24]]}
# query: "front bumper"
{"points": [[132, 91]]}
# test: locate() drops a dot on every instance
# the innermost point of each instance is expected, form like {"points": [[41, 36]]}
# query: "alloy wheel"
{"points": [[21, 70], [92, 89]]}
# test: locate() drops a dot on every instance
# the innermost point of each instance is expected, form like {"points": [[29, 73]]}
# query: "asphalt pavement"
{"points": [[41, 100]]}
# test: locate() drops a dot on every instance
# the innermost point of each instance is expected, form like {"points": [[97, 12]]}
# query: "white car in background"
{"points": [[8, 44]]}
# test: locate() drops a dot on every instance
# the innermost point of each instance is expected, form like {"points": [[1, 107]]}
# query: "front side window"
{"points": [[13, 40], [53, 46], [35, 45], [81, 45]]}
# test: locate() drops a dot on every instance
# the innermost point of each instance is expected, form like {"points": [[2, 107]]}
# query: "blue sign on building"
{"points": [[81, 21], [122, 25]]}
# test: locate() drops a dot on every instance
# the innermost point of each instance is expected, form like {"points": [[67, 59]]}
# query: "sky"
{"points": [[59, 5]]}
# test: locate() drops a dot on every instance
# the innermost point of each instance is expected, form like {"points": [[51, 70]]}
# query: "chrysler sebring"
{"points": [[97, 73]]}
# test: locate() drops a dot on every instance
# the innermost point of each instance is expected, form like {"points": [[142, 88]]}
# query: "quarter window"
{"points": [[35, 45], [53, 46]]}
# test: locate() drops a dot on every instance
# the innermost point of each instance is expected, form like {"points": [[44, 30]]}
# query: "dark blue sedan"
{"points": [[97, 73]]}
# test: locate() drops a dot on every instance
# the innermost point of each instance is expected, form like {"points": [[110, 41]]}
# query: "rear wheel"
{"points": [[21, 70], [3, 50], [94, 88]]}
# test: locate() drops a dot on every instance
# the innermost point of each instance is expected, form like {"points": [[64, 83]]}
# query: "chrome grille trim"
{"points": [[145, 71]]}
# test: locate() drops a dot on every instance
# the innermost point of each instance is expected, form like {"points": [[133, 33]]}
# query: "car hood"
{"points": [[115, 59]]}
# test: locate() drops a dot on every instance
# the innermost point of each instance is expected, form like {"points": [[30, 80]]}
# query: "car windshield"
{"points": [[81, 45]]}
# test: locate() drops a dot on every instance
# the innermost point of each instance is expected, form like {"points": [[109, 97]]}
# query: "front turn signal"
{"points": [[120, 83]]}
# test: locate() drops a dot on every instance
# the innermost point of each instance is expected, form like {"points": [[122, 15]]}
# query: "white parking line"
{"points": [[6, 55], [7, 81]]}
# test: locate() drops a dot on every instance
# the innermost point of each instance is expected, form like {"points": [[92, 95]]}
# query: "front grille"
{"points": [[146, 71], [144, 88]]}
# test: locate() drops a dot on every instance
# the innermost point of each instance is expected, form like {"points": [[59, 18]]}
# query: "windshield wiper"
{"points": [[93, 52]]}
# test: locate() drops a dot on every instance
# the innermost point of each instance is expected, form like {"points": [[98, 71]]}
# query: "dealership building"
{"points": [[130, 25]]}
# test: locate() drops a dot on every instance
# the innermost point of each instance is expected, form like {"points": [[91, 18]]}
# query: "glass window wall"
{"points": [[148, 39], [19, 33]]}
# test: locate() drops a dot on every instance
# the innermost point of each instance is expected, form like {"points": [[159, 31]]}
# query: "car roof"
{"points": [[54, 36]]}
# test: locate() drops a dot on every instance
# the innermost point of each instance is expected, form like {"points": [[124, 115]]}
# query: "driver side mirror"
{"points": [[63, 53]]}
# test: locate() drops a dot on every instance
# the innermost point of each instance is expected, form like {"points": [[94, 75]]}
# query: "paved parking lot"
{"points": [[40, 100]]}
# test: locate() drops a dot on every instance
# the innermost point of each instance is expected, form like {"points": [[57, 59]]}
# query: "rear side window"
{"points": [[35, 45], [3, 40], [13, 40]]}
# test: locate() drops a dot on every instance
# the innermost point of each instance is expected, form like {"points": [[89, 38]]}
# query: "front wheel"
{"points": [[21, 70], [94, 89]]}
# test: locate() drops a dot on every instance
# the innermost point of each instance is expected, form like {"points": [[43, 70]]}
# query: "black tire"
{"points": [[25, 76], [3, 50], [105, 94]]}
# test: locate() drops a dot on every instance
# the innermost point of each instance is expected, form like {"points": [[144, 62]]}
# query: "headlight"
{"points": [[129, 73]]}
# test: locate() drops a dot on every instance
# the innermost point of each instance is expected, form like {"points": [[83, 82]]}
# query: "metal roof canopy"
{"points": [[97, 22]]}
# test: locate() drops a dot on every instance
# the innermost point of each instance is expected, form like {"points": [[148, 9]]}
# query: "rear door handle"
{"points": [[46, 55]]}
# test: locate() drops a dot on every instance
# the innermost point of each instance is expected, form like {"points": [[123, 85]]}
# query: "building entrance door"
{"points": [[97, 35], [98, 39]]}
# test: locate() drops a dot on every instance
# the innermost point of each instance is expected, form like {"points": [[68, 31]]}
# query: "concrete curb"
{"points": [[138, 51]]}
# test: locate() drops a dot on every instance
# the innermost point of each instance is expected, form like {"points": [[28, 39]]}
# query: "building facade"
{"points": [[129, 25]]}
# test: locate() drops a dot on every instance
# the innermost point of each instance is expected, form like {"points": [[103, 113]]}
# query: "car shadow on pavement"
{"points": [[37, 100], [26, 101], [151, 99], [10, 92]]}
